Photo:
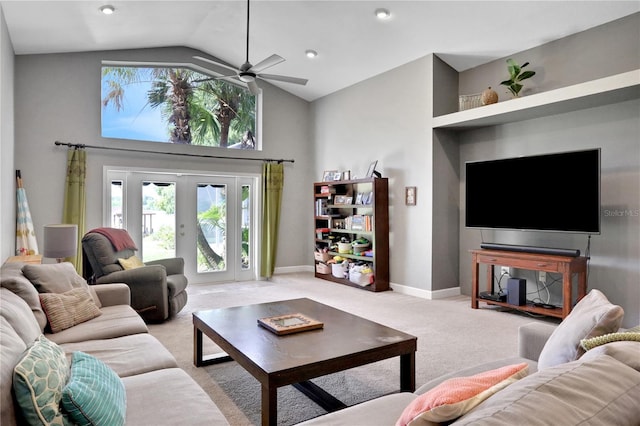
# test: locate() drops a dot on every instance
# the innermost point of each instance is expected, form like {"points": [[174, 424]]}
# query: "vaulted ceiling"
{"points": [[352, 44]]}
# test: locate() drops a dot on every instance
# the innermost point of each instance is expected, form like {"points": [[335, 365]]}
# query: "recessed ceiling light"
{"points": [[311, 53], [383, 13], [107, 9]]}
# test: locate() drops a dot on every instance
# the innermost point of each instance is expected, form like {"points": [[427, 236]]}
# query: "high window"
{"points": [[177, 105]]}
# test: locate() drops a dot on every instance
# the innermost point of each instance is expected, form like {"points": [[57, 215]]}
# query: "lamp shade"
{"points": [[60, 241]]}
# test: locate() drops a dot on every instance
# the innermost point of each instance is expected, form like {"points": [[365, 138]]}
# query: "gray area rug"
{"points": [[450, 334]]}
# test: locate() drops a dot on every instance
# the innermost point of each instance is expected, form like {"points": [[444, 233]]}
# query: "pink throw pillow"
{"points": [[457, 396]]}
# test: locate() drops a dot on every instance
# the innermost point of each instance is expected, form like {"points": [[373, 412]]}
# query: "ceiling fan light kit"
{"points": [[249, 73]]}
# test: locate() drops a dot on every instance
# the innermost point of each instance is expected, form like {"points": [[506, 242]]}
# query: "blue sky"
{"points": [[136, 120]]}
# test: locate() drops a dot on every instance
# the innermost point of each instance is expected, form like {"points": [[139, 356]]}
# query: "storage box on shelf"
{"points": [[353, 211]]}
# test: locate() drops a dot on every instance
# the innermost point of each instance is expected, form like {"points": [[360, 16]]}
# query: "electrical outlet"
{"points": [[542, 277], [504, 270]]}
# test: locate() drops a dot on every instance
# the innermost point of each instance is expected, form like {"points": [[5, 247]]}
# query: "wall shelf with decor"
{"points": [[353, 210], [603, 91]]}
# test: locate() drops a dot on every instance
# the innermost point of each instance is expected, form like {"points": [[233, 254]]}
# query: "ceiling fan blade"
{"points": [[202, 80], [217, 62], [267, 63], [284, 78], [253, 88]]}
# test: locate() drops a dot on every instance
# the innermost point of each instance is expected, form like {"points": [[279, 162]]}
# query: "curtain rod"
{"points": [[78, 145]]}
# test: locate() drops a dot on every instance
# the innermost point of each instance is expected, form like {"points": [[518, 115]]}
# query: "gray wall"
{"points": [[388, 118], [383, 119], [58, 98], [615, 253], [7, 176]]}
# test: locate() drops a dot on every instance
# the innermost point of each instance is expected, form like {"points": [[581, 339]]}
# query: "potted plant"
{"points": [[516, 76]]}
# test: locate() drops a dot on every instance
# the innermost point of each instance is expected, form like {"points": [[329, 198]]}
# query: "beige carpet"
{"points": [[450, 334]]}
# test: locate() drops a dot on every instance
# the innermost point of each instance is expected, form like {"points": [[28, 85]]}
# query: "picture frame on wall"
{"points": [[410, 193]]}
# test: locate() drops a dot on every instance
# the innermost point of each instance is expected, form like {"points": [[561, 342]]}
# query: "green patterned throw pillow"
{"points": [[95, 395], [632, 334], [38, 380]]}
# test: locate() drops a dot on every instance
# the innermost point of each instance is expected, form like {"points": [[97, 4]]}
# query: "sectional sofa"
{"points": [[124, 369], [554, 381], [584, 371]]}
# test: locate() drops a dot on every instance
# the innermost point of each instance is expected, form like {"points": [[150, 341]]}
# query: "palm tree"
{"points": [[198, 110], [233, 108]]}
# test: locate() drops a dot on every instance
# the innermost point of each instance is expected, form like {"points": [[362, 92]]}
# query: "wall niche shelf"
{"points": [[599, 92]]}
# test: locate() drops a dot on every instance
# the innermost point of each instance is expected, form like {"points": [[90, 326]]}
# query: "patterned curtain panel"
{"points": [[75, 198], [272, 183], [26, 243]]}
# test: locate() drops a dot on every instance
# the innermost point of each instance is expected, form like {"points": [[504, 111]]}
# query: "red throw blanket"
{"points": [[120, 238]]}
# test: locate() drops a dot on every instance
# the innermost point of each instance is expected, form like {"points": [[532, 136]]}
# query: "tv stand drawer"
{"points": [[534, 264]]}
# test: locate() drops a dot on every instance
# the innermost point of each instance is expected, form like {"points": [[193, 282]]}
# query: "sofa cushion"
{"points": [[457, 396], [57, 278], [384, 410], [115, 321], [13, 279], [149, 403], [38, 380], [12, 348], [600, 391], [132, 262], [127, 355], [17, 313], [94, 394], [627, 352], [592, 316], [67, 309]]}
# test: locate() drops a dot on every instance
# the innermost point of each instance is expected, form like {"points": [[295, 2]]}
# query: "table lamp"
{"points": [[60, 241]]}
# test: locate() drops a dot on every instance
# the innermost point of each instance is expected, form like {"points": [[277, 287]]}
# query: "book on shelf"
{"points": [[321, 207], [358, 222]]}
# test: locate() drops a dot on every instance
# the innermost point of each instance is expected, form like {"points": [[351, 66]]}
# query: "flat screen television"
{"points": [[551, 192]]}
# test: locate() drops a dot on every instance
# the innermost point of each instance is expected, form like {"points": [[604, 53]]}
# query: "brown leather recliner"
{"points": [[158, 289]]}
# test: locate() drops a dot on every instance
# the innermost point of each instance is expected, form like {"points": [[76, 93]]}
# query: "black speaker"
{"points": [[517, 291]]}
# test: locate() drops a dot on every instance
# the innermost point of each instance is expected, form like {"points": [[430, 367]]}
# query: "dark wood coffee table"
{"points": [[346, 341]]}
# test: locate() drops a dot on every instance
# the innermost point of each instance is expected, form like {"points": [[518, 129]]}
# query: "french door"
{"points": [[209, 220]]}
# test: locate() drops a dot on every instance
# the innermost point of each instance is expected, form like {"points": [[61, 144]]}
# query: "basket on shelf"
{"points": [[344, 248], [321, 256], [469, 101], [323, 268]]}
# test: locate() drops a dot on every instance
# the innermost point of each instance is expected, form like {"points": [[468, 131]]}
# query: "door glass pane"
{"points": [[211, 227], [245, 227], [158, 220], [116, 204]]}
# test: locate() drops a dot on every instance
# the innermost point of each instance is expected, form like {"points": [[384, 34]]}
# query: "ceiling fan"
{"points": [[248, 73]]}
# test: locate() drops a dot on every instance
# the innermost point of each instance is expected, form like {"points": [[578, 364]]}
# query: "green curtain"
{"points": [[272, 183], [75, 198]]}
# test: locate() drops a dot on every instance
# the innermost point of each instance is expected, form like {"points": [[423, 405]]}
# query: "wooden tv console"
{"points": [[565, 265]]}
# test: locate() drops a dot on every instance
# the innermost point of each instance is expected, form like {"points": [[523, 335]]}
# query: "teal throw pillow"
{"points": [[95, 395], [38, 380]]}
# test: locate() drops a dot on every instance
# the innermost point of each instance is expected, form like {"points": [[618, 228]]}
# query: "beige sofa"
{"points": [[157, 391], [564, 386]]}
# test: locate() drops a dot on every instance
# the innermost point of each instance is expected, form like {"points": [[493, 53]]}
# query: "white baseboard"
{"points": [[426, 294], [293, 269], [402, 289]]}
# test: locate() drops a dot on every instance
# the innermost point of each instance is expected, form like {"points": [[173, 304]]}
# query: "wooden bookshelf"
{"points": [[333, 213]]}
